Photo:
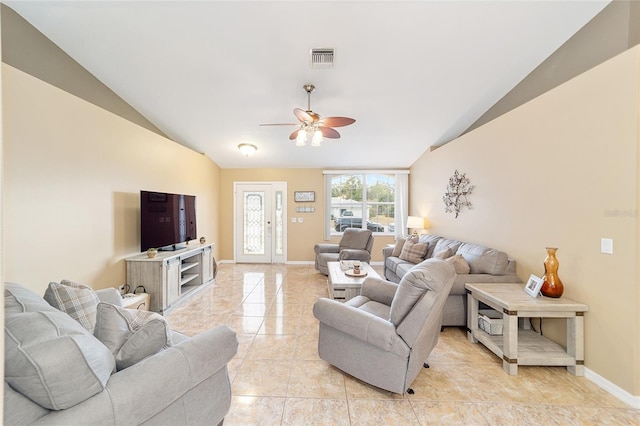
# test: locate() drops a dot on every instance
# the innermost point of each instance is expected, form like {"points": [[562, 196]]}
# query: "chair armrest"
{"points": [[354, 254], [109, 295], [326, 248], [379, 290], [359, 324], [387, 251]]}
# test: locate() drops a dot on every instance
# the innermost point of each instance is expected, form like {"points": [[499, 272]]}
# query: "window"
{"points": [[369, 200]]}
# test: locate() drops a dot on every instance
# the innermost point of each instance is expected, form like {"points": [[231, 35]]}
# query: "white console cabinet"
{"points": [[171, 275]]}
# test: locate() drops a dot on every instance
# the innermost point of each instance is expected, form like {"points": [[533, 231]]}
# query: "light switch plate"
{"points": [[606, 245], [293, 220]]}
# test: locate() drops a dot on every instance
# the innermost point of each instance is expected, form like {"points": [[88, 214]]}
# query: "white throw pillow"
{"points": [[130, 334], [459, 263]]}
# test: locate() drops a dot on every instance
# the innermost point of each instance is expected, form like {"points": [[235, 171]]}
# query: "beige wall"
{"points": [[301, 237], [560, 171], [72, 176], [27, 49]]}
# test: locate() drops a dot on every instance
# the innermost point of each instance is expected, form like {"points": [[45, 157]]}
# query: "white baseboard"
{"points": [[613, 389], [299, 262]]}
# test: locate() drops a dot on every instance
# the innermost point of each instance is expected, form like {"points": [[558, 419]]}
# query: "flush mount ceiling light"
{"points": [[311, 125], [247, 149]]}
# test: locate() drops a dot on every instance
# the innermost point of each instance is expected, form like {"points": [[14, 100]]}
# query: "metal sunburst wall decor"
{"points": [[457, 191]]}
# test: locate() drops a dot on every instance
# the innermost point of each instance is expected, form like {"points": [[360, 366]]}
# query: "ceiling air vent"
{"points": [[322, 58]]}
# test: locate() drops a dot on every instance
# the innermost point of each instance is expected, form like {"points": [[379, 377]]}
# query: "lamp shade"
{"points": [[415, 222]]}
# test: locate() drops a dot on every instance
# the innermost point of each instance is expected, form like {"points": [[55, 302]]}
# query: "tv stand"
{"points": [[173, 275], [173, 247]]}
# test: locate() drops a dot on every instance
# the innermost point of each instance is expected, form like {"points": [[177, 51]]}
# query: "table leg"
{"points": [[510, 343], [575, 343], [472, 317]]}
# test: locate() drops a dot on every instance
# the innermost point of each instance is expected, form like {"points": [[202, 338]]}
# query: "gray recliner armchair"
{"points": [[356, 244], [385, 335]]}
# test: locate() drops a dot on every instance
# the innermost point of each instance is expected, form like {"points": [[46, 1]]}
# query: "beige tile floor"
{"points": [[278, 379]]}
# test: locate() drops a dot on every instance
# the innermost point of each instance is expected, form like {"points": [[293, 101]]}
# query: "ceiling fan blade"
{"points": [[303, 115], [337, 121], [294, 135], [279, 124], [329, 133]]}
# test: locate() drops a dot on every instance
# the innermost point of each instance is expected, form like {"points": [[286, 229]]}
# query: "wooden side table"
{"points": [[524, 346]]}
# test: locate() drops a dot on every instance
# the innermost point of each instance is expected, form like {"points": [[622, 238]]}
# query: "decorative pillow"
{"points": [[397, 250], [130, 334], [53, 360], [443, 254], [413, 252], [459, 263], [76, 300]]}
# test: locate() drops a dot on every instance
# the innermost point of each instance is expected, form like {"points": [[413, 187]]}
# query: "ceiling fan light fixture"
{"points": [[247, 149], [301, 139], [317, 138]]}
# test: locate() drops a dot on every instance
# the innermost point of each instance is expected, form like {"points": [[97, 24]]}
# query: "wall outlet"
{"points": [[300, 219], [293, 220]]}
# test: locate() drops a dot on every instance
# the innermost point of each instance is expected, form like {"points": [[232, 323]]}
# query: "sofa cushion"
{"points": [[54, 361], [413, 251], [130, 334], [79, 301], [459, 263], [484, 260], [392, 263], [20, 299], [430, 239], [443, 244]]}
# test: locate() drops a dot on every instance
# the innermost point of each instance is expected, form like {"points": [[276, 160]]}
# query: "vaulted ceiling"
{"points": [[413, 74]]}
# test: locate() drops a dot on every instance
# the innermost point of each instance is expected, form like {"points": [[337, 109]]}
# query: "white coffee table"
{"points": [[343, 287]]}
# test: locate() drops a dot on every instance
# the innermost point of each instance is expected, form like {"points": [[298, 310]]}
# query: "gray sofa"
{"points": [[57, 372], [385, 335], [485, 265]]}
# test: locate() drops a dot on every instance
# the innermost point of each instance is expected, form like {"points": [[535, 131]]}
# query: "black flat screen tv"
{"points": [[167, 221]]}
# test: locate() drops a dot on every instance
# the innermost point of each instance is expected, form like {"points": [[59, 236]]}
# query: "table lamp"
{"points": [[415, 223]]}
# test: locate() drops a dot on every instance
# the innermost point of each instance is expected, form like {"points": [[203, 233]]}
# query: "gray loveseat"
{"points": [[57, 372], [485, 265]]}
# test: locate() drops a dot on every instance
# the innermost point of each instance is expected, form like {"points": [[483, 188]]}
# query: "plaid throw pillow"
{"points": [[76, 300], [413, 252]]}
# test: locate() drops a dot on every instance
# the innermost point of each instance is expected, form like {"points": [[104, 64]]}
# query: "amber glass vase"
{"points": [[551, 283]]}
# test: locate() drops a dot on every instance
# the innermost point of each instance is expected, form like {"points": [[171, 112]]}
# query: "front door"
{"points": [[259, 222]]}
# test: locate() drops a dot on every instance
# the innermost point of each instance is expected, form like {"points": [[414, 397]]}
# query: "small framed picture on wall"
{"points": [[304, 196]]}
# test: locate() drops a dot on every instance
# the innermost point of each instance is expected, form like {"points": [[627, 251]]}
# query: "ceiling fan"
{"points": [[312, 125]]}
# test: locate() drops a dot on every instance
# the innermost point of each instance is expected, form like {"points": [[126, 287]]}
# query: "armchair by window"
{"points": [[356, 244], [385, 335]]}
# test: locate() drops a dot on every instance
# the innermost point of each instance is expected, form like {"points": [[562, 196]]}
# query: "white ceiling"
{"points": [[412, 73]]}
